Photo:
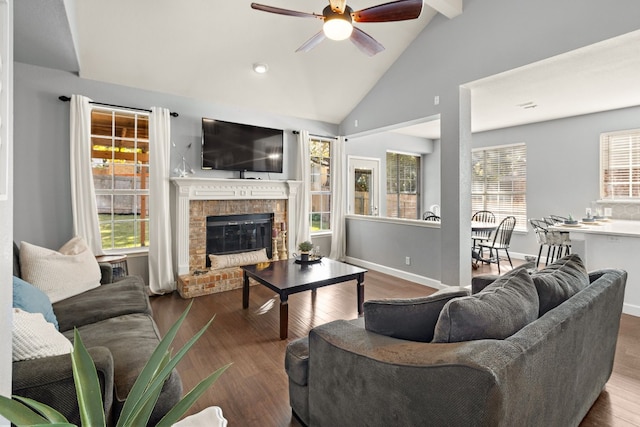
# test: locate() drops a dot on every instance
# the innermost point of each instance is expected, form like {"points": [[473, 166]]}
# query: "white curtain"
{"points": [[338, 186], [83, 195], [161, 277], [304, 196]]}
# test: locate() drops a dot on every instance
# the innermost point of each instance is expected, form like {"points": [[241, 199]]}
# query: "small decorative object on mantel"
{"points": [[184, 168], [304, 248]]}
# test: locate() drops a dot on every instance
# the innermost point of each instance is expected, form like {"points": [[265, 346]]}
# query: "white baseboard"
{"points": [[631, 309], [422, 280]]}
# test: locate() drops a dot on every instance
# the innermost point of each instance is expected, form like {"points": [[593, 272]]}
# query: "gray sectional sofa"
{"points": [[115, 323], [530, 348]]}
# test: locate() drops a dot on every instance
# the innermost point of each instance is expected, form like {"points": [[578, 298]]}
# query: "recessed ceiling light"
{"points": [[260, 68]]}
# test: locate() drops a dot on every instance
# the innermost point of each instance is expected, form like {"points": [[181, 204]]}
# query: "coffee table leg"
{"points": [[284, 317], [245, 290], [360, 290]]}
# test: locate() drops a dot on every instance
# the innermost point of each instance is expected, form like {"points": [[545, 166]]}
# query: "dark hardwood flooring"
{"points": [[254, 390]]}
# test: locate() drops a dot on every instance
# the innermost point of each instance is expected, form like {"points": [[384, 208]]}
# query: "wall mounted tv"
{"points": [[240, 147]]}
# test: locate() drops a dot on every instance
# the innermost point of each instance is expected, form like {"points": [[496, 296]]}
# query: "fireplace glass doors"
{"points": [[228, 234]]}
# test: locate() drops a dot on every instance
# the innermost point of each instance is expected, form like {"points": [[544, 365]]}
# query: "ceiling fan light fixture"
{"points": [[337, 29], [337, 26]]}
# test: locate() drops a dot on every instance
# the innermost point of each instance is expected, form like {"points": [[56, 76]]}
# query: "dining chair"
{"points": [[427, 214], [561, 239], [500, 240], [481, 235], [544, 237], [431, 217]]}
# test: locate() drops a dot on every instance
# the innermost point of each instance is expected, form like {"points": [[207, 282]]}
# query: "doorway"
{"points": [[364, 186]]}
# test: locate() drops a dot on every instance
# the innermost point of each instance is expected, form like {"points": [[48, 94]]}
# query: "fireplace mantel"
{"points": [[194, 188]]}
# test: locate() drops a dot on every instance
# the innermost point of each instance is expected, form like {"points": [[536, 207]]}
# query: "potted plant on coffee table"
{"points": [[304, 248]]}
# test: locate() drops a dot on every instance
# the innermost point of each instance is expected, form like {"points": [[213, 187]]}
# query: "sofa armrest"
{"points": [[106, 270], [49, 380], [478, 283], [412, 319], [358, 377]]}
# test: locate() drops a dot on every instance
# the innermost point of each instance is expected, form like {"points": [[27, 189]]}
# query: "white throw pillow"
{"points": [[239, 259], [34, 337], [60, 274]]}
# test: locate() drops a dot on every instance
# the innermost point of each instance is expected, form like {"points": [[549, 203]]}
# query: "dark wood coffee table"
{"points": [[287, 277]]}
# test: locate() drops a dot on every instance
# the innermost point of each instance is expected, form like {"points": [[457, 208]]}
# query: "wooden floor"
{"points": [[254, 392]]}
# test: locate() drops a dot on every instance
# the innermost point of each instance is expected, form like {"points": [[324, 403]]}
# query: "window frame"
{"points": [[136, 193], [398, 193], [607, 156], [487, 193], [323, 192]]}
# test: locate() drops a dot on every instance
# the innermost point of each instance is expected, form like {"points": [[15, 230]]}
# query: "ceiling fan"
{"points": [[338, 18]]}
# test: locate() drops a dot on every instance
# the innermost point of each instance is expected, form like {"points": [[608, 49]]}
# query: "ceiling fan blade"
{"points": [[400, 10], [312, 42], [338, 6], [281, 11], [365, 42]]}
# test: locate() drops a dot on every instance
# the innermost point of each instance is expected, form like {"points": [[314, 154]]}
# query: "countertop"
{"points": [[613, 227]]}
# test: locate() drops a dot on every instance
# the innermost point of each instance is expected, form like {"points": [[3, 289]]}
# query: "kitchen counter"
{"points": [[614, 227], [612, 244]]}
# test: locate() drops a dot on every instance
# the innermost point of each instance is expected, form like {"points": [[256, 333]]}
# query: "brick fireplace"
{"points": [[199, 198]]}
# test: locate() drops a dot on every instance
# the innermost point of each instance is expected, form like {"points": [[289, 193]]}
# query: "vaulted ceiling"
{"points": [[206, 50]]}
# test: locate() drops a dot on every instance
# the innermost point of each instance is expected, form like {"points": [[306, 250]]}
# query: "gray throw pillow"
{"points": [[560, 281], [497, 312], [412, 319]]}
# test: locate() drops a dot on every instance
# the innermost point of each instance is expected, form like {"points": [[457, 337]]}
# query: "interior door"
{"points": [[364, 186]]}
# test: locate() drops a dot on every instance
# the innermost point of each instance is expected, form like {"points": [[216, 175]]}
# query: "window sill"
{"points": [[130, 252], [618, 201]]}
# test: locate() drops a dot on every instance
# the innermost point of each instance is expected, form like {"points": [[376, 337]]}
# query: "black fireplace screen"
{"points": [[228, 234]]}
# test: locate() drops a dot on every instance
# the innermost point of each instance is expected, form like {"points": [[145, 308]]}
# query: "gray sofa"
{"points": [[395, 366], [115, 323]]}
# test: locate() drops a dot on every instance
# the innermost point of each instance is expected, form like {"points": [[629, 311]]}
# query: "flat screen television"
{"points": [[240, 147]]}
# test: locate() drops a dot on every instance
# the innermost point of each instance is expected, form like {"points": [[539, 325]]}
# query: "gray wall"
{"points": [[376, 146], [490, 37], [42, 190], [563, 161]]}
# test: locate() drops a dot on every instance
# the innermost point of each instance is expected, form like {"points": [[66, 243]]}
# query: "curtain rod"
{"points": [[296, 132], [67, 99]]}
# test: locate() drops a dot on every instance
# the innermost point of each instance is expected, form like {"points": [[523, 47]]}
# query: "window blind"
{"points": [[499, 182], [620, 165]]}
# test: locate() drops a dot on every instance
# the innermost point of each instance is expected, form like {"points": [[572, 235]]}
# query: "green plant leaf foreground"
{"points": [[149, 370], [158, 381], [46, 411], [142, 417], [190, 398], [18, 413], [87, 384]]}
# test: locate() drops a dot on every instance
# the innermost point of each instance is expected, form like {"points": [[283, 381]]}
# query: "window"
{"points": [[620, 165], [403, 185], [499, 182], [320, 215], [120, 165]]}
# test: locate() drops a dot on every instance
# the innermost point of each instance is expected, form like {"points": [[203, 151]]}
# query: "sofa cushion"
{"points": [[131, 338], [412, 319], [33, 337], [296, 360], [126, 296], [560, 281], [497, 312], [239, 259], [60, 274], [31, 299]]}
